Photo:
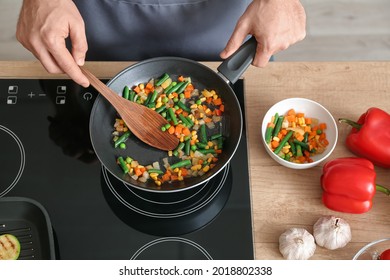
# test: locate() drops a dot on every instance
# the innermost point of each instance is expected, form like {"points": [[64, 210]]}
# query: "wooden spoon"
{"points": [[142, 121]]}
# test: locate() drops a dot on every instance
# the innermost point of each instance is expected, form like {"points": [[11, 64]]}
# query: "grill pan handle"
{"points": [[235, 65]]}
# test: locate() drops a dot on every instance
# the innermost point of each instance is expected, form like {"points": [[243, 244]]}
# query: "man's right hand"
{"points": [[42, 28]]}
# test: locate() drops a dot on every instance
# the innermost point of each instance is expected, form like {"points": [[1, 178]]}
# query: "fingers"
{"points": [[65, 61], [236, 40], [43, 27], [262, 57]]}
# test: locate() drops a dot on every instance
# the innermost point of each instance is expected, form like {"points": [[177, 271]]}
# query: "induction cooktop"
{"points": [[46, 155]]}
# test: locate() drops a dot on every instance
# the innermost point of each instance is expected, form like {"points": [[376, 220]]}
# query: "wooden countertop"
{"points": [[283, 198]]}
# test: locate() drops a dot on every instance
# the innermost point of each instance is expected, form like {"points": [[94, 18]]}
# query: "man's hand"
{"points": [[276, 25], [42, 28]]}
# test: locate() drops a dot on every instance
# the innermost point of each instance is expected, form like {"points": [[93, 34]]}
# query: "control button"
{"points": [[31, 94], [61, 89], [13, 89], [87, 96], [60, 100], [11, 100]]}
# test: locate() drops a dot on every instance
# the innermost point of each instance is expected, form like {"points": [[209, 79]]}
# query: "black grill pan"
{"points": [[27, 219]]}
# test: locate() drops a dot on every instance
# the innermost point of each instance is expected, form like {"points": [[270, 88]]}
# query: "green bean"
{"points": [[299, 151], [182, 87], [161, 109], [174, 88], [126, 92], [151, 105], [147, 100], [215, 136], [304, 146], [278, 126], [293, 148], [158, 171], [182, 163], [183, 106], [201, 145], [169, 87], [178, 148], [270, 129], [173, 116], [203, 134], [207, 151], [154, 96], [276, 118], [122, 139], [184, 120], [305, 137], [131, 95], [187, 147], [123, 165], [283, 141], [189, 121], [162, 79], [268, 134]]}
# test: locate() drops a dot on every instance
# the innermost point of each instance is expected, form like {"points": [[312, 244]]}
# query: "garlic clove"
{"points": [[332, 232], [296, 244]]}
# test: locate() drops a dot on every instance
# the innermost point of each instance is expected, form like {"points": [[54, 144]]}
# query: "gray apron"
{"points": [[141, 29]]}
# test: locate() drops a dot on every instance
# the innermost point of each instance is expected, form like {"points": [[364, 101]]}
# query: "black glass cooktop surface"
{"points": [[46, 155]]}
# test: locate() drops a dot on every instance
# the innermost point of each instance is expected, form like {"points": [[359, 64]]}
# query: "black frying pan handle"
{"points": [[236, 64]]}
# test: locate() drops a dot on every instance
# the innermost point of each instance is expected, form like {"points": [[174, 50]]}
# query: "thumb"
{"points": [[235, 41]]}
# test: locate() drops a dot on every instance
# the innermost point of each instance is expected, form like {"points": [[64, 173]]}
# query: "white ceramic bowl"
{"points": [[311, 109], [372, 250]]}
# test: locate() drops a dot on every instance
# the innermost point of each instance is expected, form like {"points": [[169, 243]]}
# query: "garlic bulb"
{"points": [[331, 232], [296, 244]]}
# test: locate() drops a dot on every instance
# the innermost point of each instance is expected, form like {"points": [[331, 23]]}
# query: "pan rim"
{"points": [[216, 76]]}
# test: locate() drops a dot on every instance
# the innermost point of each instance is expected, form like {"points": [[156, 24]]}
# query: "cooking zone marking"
{"points": [[166, 215], [171, 239], [22, 160]]}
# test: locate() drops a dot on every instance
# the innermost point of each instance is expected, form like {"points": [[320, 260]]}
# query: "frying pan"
{"points": [[103, 114]]}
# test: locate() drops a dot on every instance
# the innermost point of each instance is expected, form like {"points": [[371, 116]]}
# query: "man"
{"points": [[139, 29]]}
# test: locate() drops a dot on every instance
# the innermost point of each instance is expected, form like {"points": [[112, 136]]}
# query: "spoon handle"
{"points": [[109, 94]]}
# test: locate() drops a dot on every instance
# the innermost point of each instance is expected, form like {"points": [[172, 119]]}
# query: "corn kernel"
{"points": [[176, 169], [141, 86], [170, 153], [158, 183], [206, 168], [159, 104], [180, 178]]}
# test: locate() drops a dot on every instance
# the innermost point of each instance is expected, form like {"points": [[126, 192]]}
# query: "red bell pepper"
{"points": [[370, 136], [349, 185]]}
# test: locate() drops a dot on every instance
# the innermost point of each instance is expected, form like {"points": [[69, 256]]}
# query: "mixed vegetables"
{"points": [[295, 137], [194, 116]]}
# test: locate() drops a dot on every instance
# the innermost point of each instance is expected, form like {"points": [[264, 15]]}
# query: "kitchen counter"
{"points": [[283, 198]]}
